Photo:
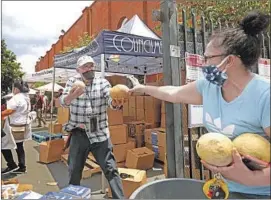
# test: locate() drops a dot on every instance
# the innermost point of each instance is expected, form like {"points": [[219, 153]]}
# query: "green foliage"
{"points": [[10, 68], [38, 84], [82, 41], [226, 11]]}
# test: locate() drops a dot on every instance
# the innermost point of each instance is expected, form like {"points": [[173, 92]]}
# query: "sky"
{"points": [[31, 27]]}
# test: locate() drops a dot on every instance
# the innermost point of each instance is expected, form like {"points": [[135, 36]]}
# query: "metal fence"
{"points": [[193, 40]]}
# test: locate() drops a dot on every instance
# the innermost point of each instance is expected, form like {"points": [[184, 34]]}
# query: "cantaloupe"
{"points": [[78, 83], [119, 92], [215, 149], [253, 145]]}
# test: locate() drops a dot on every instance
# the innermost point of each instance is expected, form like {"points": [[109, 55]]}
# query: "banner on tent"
{"points": [[113, 43], [193, 73]]}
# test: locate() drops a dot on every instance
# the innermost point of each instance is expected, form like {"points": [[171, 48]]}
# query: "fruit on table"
{"points": [[78, 83], [215, 149], [253, 145], [119, 92]]}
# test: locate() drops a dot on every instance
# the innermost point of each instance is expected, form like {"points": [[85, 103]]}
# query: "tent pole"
{"points": [[103, 75], [52, 99]]}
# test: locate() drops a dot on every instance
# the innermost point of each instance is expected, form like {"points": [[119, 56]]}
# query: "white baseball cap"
{"points": [[83, 60]]}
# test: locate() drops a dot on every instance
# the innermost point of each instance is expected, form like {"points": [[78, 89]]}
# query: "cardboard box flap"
{"points": [[136, 123], [137, 175], [142, 151]]}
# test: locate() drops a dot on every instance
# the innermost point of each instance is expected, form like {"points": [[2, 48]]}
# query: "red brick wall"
{"points": [[101, 15]]}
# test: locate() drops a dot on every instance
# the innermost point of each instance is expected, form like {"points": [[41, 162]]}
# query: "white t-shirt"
{"points": [[19, 103]]}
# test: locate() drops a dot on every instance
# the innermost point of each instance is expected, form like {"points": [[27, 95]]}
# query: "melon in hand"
{"points": [[79, 84], [215, 149], [119, 92], [253, 145]]}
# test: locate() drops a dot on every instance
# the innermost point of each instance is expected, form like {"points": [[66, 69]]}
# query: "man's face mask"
{"points": [[88, 75], [214, 75]]}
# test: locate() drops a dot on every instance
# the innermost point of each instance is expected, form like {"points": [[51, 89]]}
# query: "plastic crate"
{"points": [[44, 136]]}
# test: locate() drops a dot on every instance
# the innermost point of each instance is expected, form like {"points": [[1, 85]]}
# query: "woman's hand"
{"points": [[237, 171]]}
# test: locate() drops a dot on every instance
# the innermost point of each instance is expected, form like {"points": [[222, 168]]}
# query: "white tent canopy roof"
{"points": [[31, 92], [48, 87], [137, 27], [61, 75]]}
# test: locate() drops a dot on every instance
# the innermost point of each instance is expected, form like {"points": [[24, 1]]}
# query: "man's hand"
{"points": [[137, 87], [74, 93], [118, 102]]}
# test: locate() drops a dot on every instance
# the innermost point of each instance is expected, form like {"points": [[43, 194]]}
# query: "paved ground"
{"points": [[40, 174]]}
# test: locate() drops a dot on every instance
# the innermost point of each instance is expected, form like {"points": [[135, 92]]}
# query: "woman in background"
{"points": [[17, 114]]}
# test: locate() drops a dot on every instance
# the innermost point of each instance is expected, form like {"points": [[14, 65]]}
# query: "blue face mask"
{"points": [[213, 75]]}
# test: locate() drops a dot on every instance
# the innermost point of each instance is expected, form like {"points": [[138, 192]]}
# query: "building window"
{"points": [[122, 21]]}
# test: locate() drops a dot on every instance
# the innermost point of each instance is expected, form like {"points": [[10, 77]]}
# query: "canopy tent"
{"points": [[48, 87], [118, 53], [61, 75], [137, 27], [31, 92]]}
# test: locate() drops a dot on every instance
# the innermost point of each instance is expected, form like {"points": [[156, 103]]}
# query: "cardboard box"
{"points": [[132, 112], [135, 128], [115, 117], [152, 103], [163, 120], [152, 116], [136, 178], [120, 150], [140, 158], [125, 109], [132, 102], [55, 128], [140, 114], [127, 119], [139, 140], [151, 125], [51, 151], [159, 152], [63, 115], [140, 102], [163, 107], [118, 134], [156, 136]]}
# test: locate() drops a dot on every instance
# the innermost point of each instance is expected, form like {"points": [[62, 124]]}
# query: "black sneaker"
{"points": [[19, 171], [9, 170]]}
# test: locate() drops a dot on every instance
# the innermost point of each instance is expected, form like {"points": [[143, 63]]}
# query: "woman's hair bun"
{"points": [[254, 23]]}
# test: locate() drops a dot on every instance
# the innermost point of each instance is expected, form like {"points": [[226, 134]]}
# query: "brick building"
{"points": [[100, 15]]}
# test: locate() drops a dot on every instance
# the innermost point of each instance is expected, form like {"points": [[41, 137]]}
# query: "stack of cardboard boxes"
{"points": [[155, 139], [119, 136]]}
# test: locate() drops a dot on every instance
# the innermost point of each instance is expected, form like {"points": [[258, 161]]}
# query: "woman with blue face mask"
{"points": [[234, 99]]}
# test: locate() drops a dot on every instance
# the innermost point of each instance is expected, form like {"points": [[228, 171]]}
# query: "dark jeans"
{"points": [[102, 152], [20, 153]]}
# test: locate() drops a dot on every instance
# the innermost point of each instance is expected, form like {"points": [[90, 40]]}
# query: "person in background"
{"points": [[44, 104], [88, 125], [17, 113], [233, 96], [38, 108]]}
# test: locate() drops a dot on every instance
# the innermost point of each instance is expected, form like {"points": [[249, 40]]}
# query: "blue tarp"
{"points": [[124, 53]]}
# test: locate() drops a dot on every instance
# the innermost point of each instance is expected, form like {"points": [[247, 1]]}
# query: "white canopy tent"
{"points": [[48, 87], [61, 75], [137, 27], [31, 92]]}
